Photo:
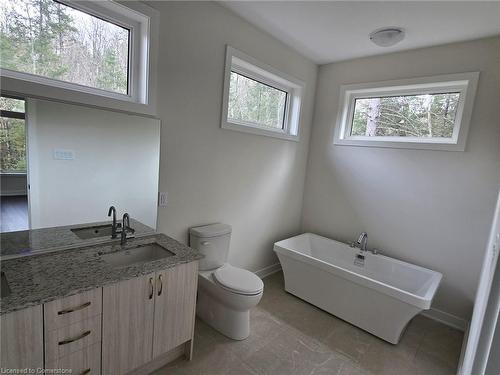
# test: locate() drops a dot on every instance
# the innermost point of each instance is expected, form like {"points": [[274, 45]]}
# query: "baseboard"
{"points": [[446, 318], [269, 270]]}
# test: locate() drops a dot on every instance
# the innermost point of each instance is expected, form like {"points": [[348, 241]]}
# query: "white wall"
{"points": [[255, 183], [432, 208], [116, 163]]}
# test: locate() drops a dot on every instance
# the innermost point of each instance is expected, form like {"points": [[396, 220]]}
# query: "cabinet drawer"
{"points": [[83, 362], [69, 310], [69, 339]]}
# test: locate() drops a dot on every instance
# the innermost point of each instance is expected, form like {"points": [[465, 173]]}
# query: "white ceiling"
{"points": [[328, 31]]}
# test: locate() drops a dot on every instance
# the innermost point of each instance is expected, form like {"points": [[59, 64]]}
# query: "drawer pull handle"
{"points": [[73, 309], [68, 341], [85, 372], [160, 289], [152, 288]]}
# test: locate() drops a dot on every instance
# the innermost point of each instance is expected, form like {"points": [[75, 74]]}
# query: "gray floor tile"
{"points": [[290, 336]]}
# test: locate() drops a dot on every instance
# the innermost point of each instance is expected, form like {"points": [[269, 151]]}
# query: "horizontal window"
{"points": [[53, 40], [91, 47], [258, 99], [256, 103], [12, 136], [431, 112]]}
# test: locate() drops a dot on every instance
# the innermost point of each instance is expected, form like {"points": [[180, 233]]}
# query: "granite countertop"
{"points": [[45, 277], [35, 241]]}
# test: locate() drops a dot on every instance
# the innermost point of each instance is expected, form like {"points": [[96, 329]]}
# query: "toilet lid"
{"points": [[238, 280]]}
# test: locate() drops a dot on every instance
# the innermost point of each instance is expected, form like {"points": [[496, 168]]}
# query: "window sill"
{"points": [[437, 145], [13, 174], [259, 131], [24, 88]]}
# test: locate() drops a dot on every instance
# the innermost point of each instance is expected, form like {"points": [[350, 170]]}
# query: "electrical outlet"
{"points": [[162, 198]]}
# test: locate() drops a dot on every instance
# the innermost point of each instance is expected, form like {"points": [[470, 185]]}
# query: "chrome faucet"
{"points": [[125, 229], [362, 241], [112, 210]]}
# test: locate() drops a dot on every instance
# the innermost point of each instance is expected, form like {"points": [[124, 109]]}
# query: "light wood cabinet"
{"points": [[73, 332], [22, 339], [67, 340], [175, 303], [85, 361], [65, 311], [146, 317], [128, 311], [132, 325]]}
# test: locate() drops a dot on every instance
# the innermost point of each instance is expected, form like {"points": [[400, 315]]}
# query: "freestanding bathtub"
{"points": [[380, 296]]}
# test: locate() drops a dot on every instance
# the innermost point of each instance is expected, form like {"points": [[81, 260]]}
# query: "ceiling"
{"points": [[328, 31]]}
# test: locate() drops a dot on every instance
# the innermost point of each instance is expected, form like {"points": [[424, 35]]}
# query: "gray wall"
{"points": [[12, 184], [255, 183], [116, 159], [431, 208]]}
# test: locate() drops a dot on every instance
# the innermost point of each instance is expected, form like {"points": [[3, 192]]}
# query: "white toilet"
{"points": [[225, 293]]}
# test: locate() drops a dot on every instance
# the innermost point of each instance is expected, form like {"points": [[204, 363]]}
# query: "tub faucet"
{"points": [[362, 241]]}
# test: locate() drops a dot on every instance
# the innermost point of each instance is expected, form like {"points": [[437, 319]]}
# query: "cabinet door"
{"points": [[22, 339], [127, 325], [174, 306]]}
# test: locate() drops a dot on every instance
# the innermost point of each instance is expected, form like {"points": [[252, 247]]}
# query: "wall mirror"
{"points": [[65, 164]]}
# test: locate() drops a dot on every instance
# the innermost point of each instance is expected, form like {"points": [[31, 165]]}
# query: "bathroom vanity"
{"points": [[100, 308]]}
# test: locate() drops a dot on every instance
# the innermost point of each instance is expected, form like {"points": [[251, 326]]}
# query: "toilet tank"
{"points": [[213, 242]]}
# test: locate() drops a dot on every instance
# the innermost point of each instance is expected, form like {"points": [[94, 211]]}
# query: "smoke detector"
{"points": [[387, 36]]}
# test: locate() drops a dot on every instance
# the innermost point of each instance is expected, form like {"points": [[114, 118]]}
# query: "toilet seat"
{"points": [[238, 280]]}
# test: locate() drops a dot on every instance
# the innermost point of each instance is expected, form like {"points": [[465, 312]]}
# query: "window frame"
{"points": [[463, 83], [249, 67], [138, 73], [19, 116]]}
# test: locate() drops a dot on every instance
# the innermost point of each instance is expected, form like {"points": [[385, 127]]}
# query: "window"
{"points": [[428, 113], [12, 136], [94, 47], [258, 99]]}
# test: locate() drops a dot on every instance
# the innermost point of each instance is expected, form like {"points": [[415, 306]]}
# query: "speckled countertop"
{"points": [[42, 278], [29, 242]]}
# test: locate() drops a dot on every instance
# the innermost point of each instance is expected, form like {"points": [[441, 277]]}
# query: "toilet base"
{"points": [[231, 323]]}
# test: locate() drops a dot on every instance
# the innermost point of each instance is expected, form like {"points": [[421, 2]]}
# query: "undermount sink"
{"points": [[141, 254], [97, 231], [4, 286]]}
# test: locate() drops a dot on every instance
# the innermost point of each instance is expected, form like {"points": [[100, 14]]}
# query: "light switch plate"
{"points": [[60, 154], [162, 198]]}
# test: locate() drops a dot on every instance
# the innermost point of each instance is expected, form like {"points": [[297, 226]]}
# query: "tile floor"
{"points": [[290, 336]]}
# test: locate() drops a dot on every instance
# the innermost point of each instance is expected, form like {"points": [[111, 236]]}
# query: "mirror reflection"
{"points": [[64, 164]]}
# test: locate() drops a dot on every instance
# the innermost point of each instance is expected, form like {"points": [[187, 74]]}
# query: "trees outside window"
{"points": [[430, 115], [50, 39], [12, 136], [256, 102]]}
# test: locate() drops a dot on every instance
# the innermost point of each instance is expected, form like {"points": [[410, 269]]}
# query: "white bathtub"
{"points": [[380, 297]]}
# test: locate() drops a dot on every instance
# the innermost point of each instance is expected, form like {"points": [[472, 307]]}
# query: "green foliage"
{"points": [[53, 40], [406, 116], [12, 137], [111, 77], [255, 102], [12, 145]]}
